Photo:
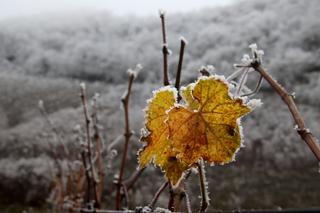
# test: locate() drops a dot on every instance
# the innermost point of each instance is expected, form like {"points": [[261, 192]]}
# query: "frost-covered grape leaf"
{"points": [[206, 126], [158, 146]]}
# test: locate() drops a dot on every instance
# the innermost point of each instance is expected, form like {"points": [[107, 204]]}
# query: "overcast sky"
{"points": [[14, 8]]}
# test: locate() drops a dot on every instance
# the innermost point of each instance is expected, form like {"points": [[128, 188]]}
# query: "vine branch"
{"points": [[165, 50], [99, 151], [133, 178], [178, 75], [127, 134], [89, 143], [288, 99], [158, 193]]}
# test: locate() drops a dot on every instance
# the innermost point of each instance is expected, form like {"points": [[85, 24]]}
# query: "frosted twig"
{"points": [[307, 136], [158, 193], [256, 89], [178, 75], [203, 186], [87, 122], [133, 178], [50, 123], [99, 150], [126, 194], [165, 50], [127, 135], [243, 81]]}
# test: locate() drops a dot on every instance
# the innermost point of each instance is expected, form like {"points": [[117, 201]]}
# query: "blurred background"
{"points": [[48, 47]]}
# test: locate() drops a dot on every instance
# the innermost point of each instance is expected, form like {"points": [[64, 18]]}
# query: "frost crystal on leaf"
{"points": [[210, 68], [254, 103]]}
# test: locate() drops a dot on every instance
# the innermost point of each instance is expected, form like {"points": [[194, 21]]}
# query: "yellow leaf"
{"points": [[158, 147], [208, 126]]}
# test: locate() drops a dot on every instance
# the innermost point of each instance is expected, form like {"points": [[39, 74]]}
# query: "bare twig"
{"points": [[178, 75], [126, 194], [127, 134], [242, 82], [256, 89], [88, 191], [98, 149], [288, 99], [45, 114], [133, 178], [87, 121], [158, 193], [165, 50], [203, 188]]}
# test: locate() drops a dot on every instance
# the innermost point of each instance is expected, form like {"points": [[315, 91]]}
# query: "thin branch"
{"points": [[133, 178], [88, 191], [126, 194], [178, 75], [165, 50], [127, 134], [288, 99], [50, 123], [204, 191], [256, 89], [158, 193], [243, 80], [99, 150], [236, 73], [87, 121], [115, 142]]}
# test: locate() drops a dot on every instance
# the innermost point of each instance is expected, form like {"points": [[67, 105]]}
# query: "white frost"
{"points": [[253, 46], [82, 85], [162, 12], [134, 72], [40, 104], [184, 40], [254, 103]]}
